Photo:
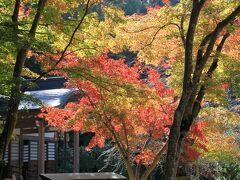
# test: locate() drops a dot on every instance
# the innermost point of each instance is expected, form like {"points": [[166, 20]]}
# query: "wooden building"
{"points": [[33, 150]]}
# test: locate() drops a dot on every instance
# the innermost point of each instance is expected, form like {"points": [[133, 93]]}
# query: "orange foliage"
{"points": [[24, 11], [195, 142], [138, 123]]}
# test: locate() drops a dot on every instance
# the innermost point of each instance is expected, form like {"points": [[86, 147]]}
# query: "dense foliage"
{"points": [[127, 59]]}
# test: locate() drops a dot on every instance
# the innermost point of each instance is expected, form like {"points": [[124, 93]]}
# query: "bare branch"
{"points": [[181, 30], [160, 28], [144, 29]]}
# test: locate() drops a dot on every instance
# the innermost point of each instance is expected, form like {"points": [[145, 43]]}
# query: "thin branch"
{"points": [[16, 12], [138, 168], [90, 78], [212, 68], [154, 163], [69, 43], [197, 6], [212, 37], [41, 5], [141, 30], [125, 135], [155, 34], [110, 128], [201, 47], [121, 148], [159, 29], [181, 30]]}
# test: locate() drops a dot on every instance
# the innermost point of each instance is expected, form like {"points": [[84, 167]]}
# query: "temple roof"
{"points": [[50, 92], [49, 98], [56, 96]]}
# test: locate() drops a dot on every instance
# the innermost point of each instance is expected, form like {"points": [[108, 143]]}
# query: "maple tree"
{"points": [[112, 107], [116, 104]]}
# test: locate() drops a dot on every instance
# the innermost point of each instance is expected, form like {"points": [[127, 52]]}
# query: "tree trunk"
{"points": [[172, 163], [14, 101]]}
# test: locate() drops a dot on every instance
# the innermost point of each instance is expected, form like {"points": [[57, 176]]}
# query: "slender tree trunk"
{"points": [[14, 101], [152, 167], [197, 170], [172, 157], [138, 170]]}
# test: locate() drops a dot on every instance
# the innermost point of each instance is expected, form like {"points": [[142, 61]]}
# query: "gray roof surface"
{"points": [[86, 176], [48, 98], [50, 92]]}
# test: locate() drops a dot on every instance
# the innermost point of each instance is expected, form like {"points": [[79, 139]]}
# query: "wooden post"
{"points": [[76, 152], [64, 152], [20, 151], [56, 150], [9, 158], [41, 149]]}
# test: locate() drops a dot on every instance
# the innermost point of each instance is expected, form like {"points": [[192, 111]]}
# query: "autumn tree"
{"points": [[112, 107], [190, 35], [193, 92], [116, 104]]}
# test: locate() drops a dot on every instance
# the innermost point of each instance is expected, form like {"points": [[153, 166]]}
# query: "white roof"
{"points": [[49, 98]]}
